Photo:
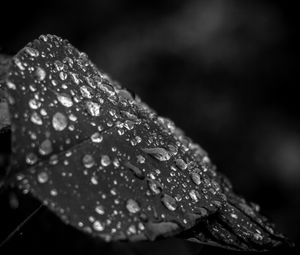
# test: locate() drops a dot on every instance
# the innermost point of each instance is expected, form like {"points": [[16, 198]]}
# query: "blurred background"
{"points": [[224, 71]]}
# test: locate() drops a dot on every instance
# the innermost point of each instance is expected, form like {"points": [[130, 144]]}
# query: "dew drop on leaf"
{"points": [[169, 202], [34, 104], [132, 206], [88, 161], [105, 160], [40, 73], [96, 137], [159, 153], [100, 209], [32, 52], [180, 164], [42, 177], [11, 85], [36, 119], [194, 195], [65, 99], [155, 186], [93, 108], [31, 158], [45, 147], [196, 178], [59, 121], [98, 226]]}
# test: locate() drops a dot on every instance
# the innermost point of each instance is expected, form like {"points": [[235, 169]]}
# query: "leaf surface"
{"points": [[107, 164]]}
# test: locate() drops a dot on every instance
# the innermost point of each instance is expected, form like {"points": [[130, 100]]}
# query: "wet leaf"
{"points": [[107, 164]]}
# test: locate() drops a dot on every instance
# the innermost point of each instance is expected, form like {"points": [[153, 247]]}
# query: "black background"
{"points": [[224, 71]]}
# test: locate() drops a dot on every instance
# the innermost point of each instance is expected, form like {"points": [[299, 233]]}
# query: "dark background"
{"points": [[224, 71]]}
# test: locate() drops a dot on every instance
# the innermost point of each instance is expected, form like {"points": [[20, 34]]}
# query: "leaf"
{"points": [[107, 164]]}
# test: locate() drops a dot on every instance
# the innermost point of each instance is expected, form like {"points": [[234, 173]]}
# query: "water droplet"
{"points": [[105, 160], [63, 76], [42, 177], [36, 119], [257, 237], [96, 137], [53, 192], [59, 121], [131, 229], [31, 158], [129, 125], [132, 206], [19, 64], [88, 161], [74, 77], [58, 65], [233, 215], [32, 52], [159, 153], [173, 149], [53, 160], [93, 108], [45, 147], [86, 92], [100, 209], [180, 164], [194, 195], [34, 104], [40, 73], [94, 180], [98, 226], [137, 172], [11, 85], [32, 87], [65, 99], [169, 202], [141, 159], [72, 117], [196, 178], [154, 186]]}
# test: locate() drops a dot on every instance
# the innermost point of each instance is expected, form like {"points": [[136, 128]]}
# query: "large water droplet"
{"points": [[74, 78], [100, 209], [58, 65], [19, 64], [105, 160], [36, 119], [159, 153], [59, 121], [180, 164], [42, 177], [40, 73], [65, 99], [155, 186], [31, 158], [86, 92], [88, 161], [132, 206], [63, 76], [93, 108], [45, 147], [98, 226], [96, 137], [34, 104], [32, 52], [137, 172], [140, 159], [11, 85], [169, 202], [196, 178], [194, 195]]}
